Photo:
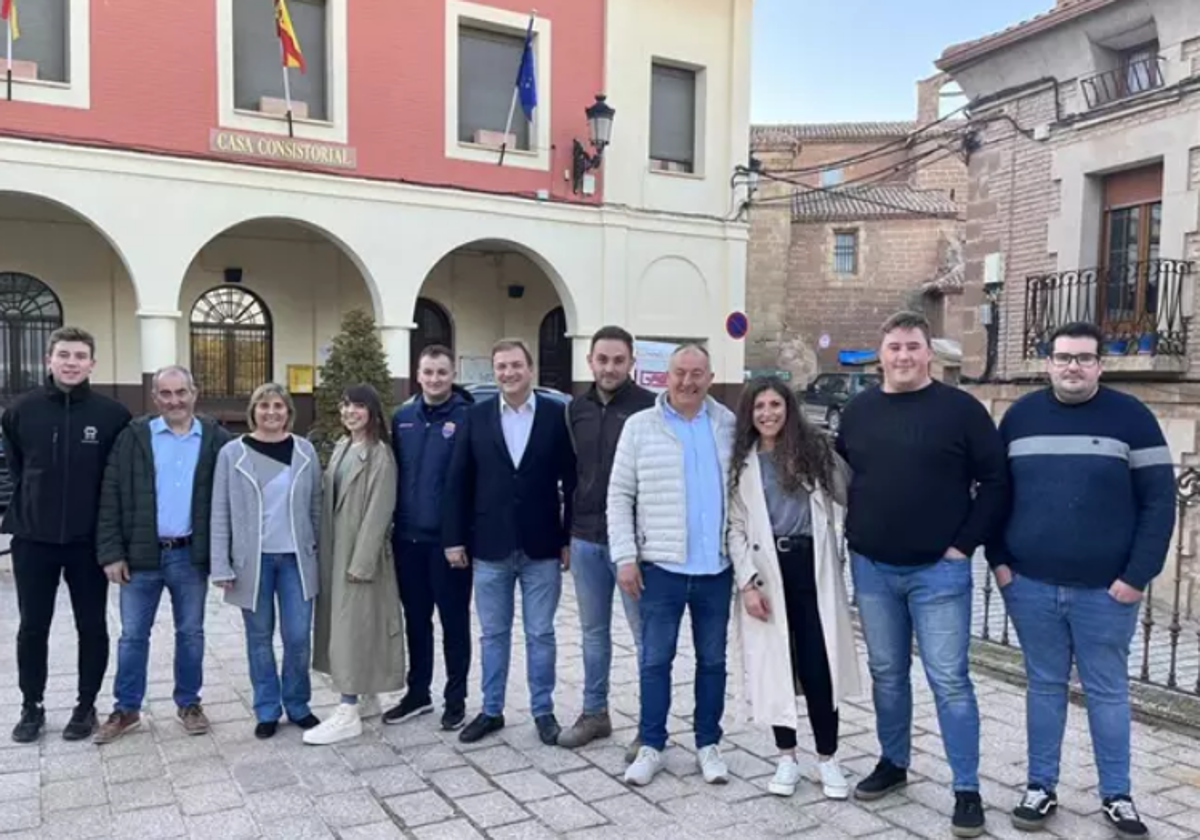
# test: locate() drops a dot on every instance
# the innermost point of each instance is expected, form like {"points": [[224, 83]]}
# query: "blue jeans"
{"points": [[187, 585], [665, 596], [1056, 624], [595, 579], [934, 601], [291, 691], [541, 586]]}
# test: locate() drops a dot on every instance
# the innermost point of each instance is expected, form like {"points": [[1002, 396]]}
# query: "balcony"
{"points": [[1139, 306], [1131, 78]]}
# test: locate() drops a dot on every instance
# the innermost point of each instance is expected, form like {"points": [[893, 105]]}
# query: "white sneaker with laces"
{"points": [[833, 780], [715, 771], [644, 768], [786, 778], [369, 706], [342, 725]]}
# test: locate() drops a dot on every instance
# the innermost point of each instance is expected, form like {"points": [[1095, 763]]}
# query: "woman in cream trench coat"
{"points": [[358, 640], [769, 419]]}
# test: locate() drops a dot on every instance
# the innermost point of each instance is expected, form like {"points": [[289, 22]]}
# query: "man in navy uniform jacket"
{"points": [[505, 509], [1093, 508]]}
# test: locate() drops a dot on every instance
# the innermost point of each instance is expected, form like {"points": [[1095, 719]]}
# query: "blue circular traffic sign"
{"points": [[737, 325]]}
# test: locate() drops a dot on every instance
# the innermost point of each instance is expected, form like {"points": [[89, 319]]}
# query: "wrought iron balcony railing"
{"points": [[1137, 305], [1129, 79]]}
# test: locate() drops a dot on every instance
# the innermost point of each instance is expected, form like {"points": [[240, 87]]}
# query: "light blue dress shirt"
{"points": [[704, 489], [175, 458]]}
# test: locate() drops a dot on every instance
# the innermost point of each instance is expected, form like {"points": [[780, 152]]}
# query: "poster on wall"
{"points": [[475, 370], [652, 361]]}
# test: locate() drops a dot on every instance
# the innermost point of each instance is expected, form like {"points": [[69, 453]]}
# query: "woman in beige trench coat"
{"points": [[358, 640], [792, 630]]}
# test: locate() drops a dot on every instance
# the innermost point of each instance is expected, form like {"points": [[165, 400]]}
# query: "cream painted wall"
{"points": [[710, 35], [81, 268]]}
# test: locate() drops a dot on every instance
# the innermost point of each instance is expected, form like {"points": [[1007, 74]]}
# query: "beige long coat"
{"points": [[762, 657], [358, 638]]}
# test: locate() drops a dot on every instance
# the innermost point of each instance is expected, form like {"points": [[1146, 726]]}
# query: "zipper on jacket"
{"points": [[292, 522], [66, 467]]}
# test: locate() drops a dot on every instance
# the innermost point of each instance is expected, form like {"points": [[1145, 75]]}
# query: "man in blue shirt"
{"points": [[153, 533], [1093, 508], [424, 431], [666, 526]]}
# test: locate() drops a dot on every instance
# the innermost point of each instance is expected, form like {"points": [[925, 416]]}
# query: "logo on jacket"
{"points": [[448, 430], [90, 433]]}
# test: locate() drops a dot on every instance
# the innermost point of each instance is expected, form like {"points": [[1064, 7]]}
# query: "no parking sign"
{"points": [[737, 325]]}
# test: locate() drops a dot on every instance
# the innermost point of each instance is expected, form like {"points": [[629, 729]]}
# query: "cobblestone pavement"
{"points": [[413, 781]]}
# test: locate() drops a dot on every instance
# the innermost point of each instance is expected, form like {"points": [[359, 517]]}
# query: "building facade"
{"points": [[166, 201], [856, 221]]}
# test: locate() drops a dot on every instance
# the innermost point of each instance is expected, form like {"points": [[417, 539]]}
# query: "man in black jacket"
{"points": [[503, 507], [152, 533], [57, 440], [595, 420]]}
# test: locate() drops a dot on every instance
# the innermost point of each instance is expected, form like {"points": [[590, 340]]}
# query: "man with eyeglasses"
{"points": [[1092, 515]]}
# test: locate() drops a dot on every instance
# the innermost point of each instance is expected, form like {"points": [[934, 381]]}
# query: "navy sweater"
{"points": [[1093, 491], [423, 436]]}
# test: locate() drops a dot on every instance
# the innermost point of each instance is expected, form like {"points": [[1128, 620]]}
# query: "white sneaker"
{"points": [[715, 771], [342, 725], [833, 781], [369, 706], [786, 778], [644, 768]]}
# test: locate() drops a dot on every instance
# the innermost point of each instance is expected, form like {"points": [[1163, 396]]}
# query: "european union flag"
{"points": [[526, 78]]}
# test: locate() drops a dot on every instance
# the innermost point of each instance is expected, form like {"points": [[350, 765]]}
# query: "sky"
{"points": [[851, 60]]}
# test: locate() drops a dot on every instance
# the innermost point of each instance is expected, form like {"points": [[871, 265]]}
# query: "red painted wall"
{"points": [[154, 87]]}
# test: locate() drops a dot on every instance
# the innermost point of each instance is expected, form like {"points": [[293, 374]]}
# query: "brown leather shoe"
{"points": [[586, 729], [118, 724], [193, 719]]}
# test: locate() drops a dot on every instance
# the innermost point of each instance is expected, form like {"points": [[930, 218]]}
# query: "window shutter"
{"points": [[673, 115], [44, 28], [487, 75], [1133, 187]]}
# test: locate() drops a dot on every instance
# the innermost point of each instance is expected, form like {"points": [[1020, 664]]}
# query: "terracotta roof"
{"points": [[1065, 10], [870, 202], [834, 131]]}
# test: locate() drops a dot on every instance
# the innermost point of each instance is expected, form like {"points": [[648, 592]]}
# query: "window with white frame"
{"points": [[672, 118], [51, 55], [257, 62], [488, 62]]}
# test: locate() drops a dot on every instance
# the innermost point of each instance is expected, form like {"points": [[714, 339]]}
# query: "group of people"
{"points": [[683, 506]]}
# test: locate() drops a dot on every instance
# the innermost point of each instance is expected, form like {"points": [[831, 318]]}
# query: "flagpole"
{"points": [[512, 110], [287, 89]]}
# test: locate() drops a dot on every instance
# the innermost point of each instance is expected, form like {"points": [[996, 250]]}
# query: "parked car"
{"points": [[825, 397], [488, 390]]}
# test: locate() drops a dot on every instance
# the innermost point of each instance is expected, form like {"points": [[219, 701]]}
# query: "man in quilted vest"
{"points": [[666, 531]]}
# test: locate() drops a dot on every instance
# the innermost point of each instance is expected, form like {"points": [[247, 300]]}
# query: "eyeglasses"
{"points": [[1084, 360]]}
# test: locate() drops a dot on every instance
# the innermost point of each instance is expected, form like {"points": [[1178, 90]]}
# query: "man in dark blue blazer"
{"points": [[508, 505]]}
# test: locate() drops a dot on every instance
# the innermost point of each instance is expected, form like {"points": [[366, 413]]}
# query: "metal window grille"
{"points": [[232, 340], [845, 252], [29, 313]]}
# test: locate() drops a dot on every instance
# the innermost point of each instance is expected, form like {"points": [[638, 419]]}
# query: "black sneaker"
{"points": [[81, 725], [409, 708], [266, 729], [548, 729], [309, 721], [1123, 817], [885, 778], [480, 728], [1037, 806], [29, 727], [453, 718], [968, 814]]}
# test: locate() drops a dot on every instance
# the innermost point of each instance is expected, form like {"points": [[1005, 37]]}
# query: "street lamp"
{"points": [[600, 120]]}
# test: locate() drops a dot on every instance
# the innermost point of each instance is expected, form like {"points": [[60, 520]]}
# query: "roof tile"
{"points": [[870, 202]]}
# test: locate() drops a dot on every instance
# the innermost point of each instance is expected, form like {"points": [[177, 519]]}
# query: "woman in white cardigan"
{"points": [[786, 494]]}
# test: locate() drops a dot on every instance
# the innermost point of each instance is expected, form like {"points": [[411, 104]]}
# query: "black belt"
{"points": [[167, 543], [786, 544]]}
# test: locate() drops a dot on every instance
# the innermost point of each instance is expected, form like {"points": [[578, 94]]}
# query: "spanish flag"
{"points": [[8, 12], [292, 55]]}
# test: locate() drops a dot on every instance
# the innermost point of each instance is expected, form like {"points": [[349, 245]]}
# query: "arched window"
{"points": [[29, 312], [433, 327], [554, 352], [232, 342]]}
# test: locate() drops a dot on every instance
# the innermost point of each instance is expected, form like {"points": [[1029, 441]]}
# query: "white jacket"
{"points": [[647, 501]]}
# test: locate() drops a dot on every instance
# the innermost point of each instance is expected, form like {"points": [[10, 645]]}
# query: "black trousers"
{"points": [[427, 581], [810, 663], [37, 569]]}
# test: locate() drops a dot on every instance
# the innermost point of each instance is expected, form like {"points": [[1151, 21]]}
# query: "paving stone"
{"points": [[62, 768], [188, 749], [76, 793], [199, 771], [20, 786], [393, 781], [17, 814], [204, 799], [150, 823], [266, 775], [133, 768], [78, 824], [348, 809], [453, 830], [528, 830], [417, 809], [528, 785], [460, 781], [369, 756], [275, 805], [590, 785], [228, 825], [18, 760], [632, 811], [296, 828], [147, 793], [492, 809], [499, 759], [700, 810]]}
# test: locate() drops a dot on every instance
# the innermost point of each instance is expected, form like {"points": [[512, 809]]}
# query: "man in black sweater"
{"points": [[929, 487], [57, 441]]}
